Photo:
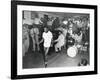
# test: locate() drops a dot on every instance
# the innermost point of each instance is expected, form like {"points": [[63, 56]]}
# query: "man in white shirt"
{"points": [[60, 42], [64, 32], [47, 38]]}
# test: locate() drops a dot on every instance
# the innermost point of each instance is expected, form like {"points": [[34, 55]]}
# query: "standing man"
{"points": [[56, 23], [34, 32], [33, 38], [25, 39], [47, 38]]}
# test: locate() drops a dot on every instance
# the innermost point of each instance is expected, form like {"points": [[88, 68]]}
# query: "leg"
{"points": [[59, 48], [65, 44], [46, 52], [28, 43], [33, 44], [23, 49], [38, 47], [45, 59], [37, 42], [56, 48]]}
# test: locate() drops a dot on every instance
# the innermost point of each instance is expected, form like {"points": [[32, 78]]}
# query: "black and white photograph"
{"points": [[53, 40]]}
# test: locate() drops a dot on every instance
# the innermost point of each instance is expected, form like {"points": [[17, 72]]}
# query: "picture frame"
{"points": [[17, 8]]}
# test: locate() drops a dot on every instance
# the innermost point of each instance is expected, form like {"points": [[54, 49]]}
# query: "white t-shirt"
{"points": [[60, 40], [47, 38]]}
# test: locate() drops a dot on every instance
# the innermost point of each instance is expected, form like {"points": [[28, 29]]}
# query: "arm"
{"points": [[41, 41], [57, 39], [73, 36]]}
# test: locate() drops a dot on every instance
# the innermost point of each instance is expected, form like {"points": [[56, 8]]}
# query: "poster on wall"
{"points": [[53, 39]]}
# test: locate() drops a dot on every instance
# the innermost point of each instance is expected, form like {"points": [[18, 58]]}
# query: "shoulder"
{"points": [[43, 33], [50, 32]]}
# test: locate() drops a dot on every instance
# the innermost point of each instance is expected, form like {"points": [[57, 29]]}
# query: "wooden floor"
{"points": [[61, 59]]}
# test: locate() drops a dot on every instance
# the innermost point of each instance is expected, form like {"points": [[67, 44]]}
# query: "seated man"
{"points": [[60, 41], [78, 37], [64, 32]]}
